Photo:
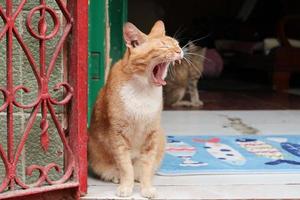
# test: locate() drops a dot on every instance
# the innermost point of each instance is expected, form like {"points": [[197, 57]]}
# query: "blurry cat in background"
{"points": [[183, 79]]}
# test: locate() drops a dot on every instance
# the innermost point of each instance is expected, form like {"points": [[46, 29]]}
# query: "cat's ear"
{"points": [[132, 35], [158, 29]]}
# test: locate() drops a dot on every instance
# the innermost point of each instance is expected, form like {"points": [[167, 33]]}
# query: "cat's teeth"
{"points": [[173, 63], [179, 61]]}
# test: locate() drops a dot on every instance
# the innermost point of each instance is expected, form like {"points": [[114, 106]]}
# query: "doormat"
{"points": [[187, 155]]}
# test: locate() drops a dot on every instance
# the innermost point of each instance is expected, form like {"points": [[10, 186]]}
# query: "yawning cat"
{"points": [[126, 141]]}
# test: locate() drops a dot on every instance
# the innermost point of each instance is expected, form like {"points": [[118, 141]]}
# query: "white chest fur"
{"points": [[140, 99]]}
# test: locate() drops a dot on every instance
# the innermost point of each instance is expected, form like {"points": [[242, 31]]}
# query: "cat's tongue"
{"points": [[158, 73]]}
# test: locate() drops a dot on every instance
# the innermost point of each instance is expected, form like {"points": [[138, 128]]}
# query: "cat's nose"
{"points": [[178, 51]]}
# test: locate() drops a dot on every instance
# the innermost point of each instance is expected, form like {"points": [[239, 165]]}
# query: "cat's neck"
{"points": [[142, 100]]}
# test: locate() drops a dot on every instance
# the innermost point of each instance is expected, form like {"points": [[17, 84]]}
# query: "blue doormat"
{"points": [[186, 155]]}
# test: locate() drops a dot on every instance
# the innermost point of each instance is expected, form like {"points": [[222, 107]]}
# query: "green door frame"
{"points": [[117, 14], [117, 17]]}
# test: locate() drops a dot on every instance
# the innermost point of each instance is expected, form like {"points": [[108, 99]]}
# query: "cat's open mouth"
{"points": [[159, 74]]}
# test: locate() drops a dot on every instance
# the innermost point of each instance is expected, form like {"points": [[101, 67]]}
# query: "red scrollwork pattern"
{"points": [[43, 102]]}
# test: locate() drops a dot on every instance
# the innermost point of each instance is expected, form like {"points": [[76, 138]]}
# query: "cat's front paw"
{"points": [[115, 180], [149, 192], [197, 103], [124, 191]]}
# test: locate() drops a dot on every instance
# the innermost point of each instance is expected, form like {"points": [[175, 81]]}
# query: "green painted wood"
{"points": [[117, 17], [96, 50], [97, 30]]}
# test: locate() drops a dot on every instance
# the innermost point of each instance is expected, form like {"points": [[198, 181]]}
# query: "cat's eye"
{"points": [[134, 43], [166, 46]]}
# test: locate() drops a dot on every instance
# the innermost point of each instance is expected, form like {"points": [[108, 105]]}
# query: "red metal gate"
{"points": [[72, 43]]}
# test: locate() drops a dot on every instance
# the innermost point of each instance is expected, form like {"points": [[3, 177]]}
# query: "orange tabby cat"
{"points": [[126, 141]]}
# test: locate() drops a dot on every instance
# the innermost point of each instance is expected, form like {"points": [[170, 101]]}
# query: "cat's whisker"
{"points": [[192, 64], [178, 32], [185, 50], [196, 40], [194, 54], [199, 55], [189, 53], [196, 69], [187, 60]]}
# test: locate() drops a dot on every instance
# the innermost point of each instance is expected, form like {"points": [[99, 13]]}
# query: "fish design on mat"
{"points": [[292, 148], [183, 151], [263, 149], [222, 151]]}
